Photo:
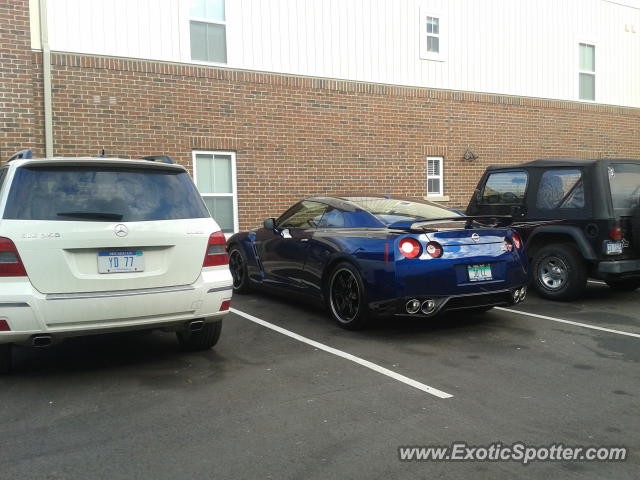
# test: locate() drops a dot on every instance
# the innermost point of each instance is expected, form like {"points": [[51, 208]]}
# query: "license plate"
{"points": [[120, 261], [614, 248], [479, 273]]}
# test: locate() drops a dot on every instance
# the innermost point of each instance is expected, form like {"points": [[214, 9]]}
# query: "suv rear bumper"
{"points": [[618, 267], [29, 312]]}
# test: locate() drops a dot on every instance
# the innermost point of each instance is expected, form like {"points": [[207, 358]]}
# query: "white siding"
{"points": [[518, 47]]}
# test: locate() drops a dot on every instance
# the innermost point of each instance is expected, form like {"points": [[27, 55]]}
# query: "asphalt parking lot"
{"points": [[264, 404]]}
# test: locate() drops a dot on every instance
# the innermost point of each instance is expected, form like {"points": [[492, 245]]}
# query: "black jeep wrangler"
{"points": [[578, 218]]}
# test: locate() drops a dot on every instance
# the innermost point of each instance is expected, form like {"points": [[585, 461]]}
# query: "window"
{"points": [[215, 177], [624, 181], [333, 218], [506, 188], [434, 177], [208, 31], [560, 188], [305, 214], [3, 173], [108, 193], [432, 33], [587, 74]]}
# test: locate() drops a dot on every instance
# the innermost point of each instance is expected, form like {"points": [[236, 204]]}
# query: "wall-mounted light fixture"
{"points": [[469, 155]]}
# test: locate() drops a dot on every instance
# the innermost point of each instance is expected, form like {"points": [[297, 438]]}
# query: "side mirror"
{"points": [[269, 224]]}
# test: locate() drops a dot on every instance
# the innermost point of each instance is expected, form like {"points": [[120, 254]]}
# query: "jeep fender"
{"points": [[574, 232]]}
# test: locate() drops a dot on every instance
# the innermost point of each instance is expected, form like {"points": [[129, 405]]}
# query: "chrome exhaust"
{"points": [[196, 325], [41, 341]]}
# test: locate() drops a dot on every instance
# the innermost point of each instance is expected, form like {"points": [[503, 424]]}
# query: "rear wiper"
{"points": [[92, 215]]}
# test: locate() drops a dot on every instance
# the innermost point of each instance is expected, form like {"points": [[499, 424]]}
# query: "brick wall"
{"points": [[294, 137], [19, 81], [297, 137]]}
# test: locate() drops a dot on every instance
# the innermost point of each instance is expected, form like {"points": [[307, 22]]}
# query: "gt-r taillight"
{"points": [[434, 249], [410, 247], [216, 253], [10, 262], [517, 241]]}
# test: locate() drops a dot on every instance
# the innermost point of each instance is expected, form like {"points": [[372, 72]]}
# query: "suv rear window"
{"points": [[102, 194], [505, 188], [624, 180]]}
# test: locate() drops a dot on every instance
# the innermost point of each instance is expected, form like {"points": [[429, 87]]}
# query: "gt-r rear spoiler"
{"points": [[490, 221]]}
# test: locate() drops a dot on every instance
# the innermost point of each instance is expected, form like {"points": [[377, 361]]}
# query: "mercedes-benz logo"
{"points": [[121, 230], [475, 237]]}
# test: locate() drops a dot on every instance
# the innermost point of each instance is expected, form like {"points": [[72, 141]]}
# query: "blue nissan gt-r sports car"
{"points": [[367, 256]]}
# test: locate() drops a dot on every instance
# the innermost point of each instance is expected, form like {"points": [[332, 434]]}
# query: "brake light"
{"points": [[10, 262], [216, 253], [409, 247], [225, 306], [4, 326], [517, 241], [616, 233], [434, 249]]}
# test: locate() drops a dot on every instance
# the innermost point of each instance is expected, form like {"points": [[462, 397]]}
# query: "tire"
{"points": [[559, 272], [238, 268], [346, 297], [5, 358], [202, 339], [627, 285]]}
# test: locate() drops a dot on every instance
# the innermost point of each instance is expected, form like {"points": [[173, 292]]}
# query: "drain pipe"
{"points": [[46, 73]]}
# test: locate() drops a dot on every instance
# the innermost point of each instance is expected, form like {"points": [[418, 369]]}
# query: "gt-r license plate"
{"points": [[479, 273], [614, 248], [120, 261]]}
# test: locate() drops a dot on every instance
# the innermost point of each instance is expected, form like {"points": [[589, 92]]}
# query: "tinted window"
{"points": [[624, 180], [390, 210], [560, 188], [102, 193], [505, 188], [302, 215], [3, 173], [332, 218]]}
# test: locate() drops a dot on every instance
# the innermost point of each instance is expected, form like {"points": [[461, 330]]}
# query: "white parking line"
{"points": [[345, 355], [569, 322]]}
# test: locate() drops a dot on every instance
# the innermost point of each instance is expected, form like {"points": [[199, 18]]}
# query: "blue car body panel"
{"points": [[299, 260]]}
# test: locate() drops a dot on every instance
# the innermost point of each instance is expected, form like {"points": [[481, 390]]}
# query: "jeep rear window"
{"points": [[505, 188], [624, 181], [102, 194]]}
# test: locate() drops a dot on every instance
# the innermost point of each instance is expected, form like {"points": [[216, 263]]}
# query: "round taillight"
{"points": [[409, 247], [517, 241], [434, 249]]}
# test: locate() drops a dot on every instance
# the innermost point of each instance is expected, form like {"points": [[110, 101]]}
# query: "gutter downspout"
{"points": [[46, 73]]}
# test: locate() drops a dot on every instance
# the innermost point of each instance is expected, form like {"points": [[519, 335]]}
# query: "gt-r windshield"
{"points": [[392, 210]]}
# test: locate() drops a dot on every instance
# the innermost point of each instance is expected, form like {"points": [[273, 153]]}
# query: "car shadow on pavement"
{"points": [[126, 352]]}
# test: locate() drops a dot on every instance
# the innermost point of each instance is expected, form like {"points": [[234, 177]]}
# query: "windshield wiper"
{"points": [[92, 215]]}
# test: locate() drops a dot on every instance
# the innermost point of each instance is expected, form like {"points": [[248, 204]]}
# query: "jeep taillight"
{"points": [[10, 262], [615, 233], [216, 253]]}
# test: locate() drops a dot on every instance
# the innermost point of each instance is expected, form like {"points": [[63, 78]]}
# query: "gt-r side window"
{"points": [[560, 188], [333, 218], [505, 188], [305, 214]]}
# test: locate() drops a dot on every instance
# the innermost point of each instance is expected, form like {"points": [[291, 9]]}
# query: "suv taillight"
{"points": [[10, 262], [216, 253]]}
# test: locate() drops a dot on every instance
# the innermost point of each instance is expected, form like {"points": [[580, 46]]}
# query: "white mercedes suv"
{"points": [[97, 245]]}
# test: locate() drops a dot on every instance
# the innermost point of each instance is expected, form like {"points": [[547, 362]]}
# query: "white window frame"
{"points": [[580, 71], [439, 177], [441, 55], [185, 5], [234, 181]]}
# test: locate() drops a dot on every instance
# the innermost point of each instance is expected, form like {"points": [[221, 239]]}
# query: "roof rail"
{"points": [[158, 158], [21, 154]]}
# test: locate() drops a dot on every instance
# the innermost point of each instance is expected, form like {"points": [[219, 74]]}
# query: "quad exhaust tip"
{"points": [[428, 306], [413, 306], [519, 294]]}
